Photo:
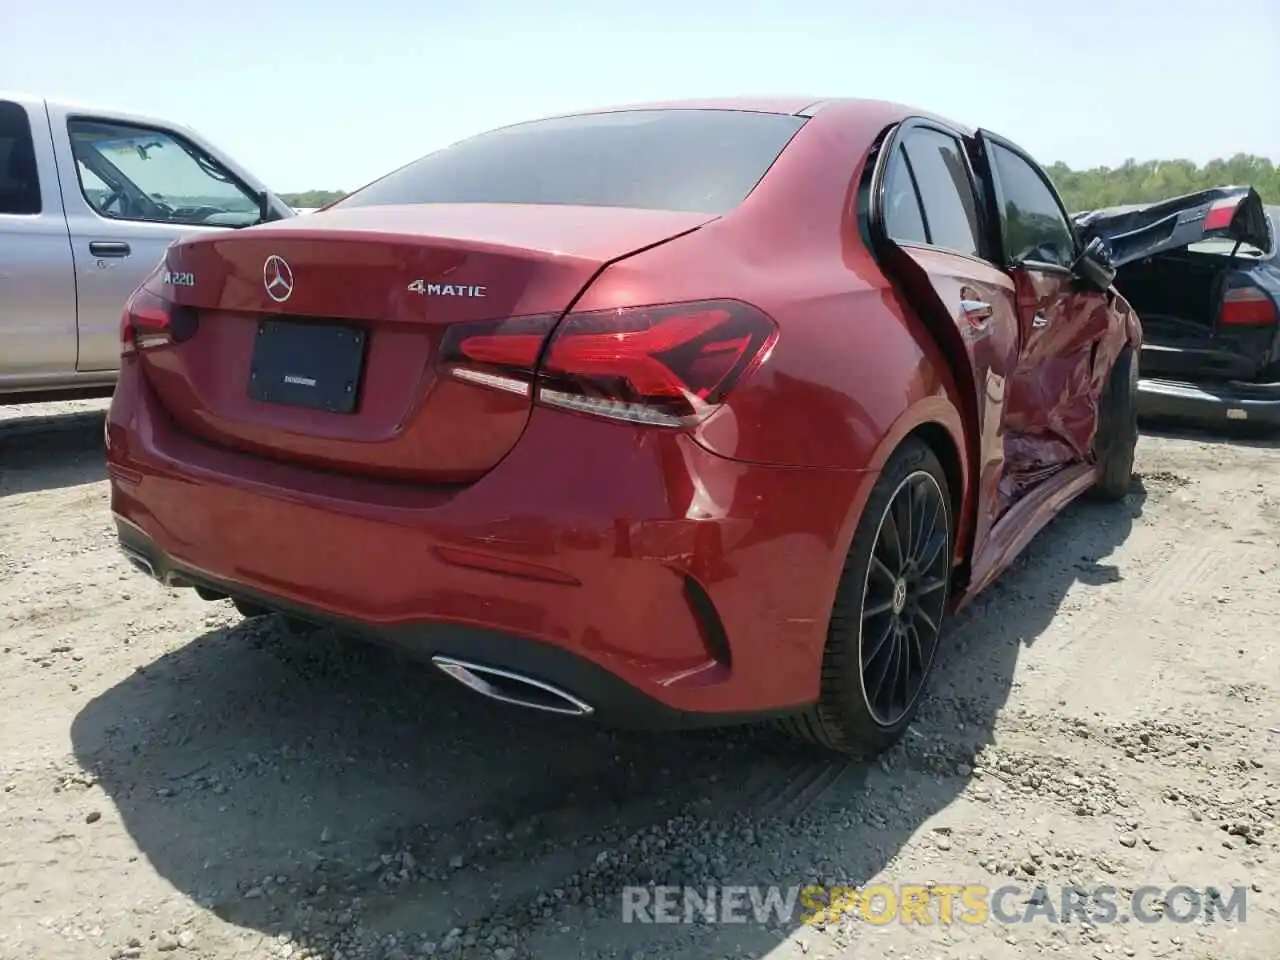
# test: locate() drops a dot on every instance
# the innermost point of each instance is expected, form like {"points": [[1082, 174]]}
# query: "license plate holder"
{"points": [[312, 365]]}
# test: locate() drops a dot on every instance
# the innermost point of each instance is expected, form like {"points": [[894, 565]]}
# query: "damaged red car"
{"points": [[686, 413]]}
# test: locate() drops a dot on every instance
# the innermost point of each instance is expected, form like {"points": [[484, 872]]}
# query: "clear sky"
{"points": [[330, 94]]}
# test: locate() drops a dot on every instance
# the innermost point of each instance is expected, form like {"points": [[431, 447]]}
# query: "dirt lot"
{"points": [[177, 782]]}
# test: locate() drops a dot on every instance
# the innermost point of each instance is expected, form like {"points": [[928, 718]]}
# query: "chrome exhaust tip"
{"points": [[139, 562], [514, 688]]}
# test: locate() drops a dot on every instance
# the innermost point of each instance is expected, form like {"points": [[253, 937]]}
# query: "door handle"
{"points": [[109, 248], [977, 312]]}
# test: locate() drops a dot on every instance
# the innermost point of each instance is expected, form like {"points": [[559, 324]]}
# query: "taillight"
{"points": [[1247, 307], [150, 321], [668, 365], [1221, 213], [502, 354]]}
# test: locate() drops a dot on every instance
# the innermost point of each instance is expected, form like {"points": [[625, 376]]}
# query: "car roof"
{"points": [[758, 104], [793, 105]]}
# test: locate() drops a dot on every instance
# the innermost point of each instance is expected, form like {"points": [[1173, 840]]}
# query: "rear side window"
{"points": [[902, 218], [19, 176], [1031, 221], [946, 193], [700, 161]]}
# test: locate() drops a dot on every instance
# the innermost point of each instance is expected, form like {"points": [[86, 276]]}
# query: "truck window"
{"points": [[128, 172], [19, 176]]}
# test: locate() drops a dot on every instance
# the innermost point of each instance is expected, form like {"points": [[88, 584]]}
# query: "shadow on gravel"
{"points": [[333, 791], [51, 452], [1235, 434]]}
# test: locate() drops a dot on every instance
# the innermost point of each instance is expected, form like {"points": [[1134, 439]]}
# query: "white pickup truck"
{"points": [[89, 200]]}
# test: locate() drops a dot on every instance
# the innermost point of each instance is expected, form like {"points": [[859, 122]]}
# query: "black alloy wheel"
{"points": [[887, 618], [904, 598]]}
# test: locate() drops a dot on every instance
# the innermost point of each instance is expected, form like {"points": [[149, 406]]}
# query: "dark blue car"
{"points": [[1203, 273]]}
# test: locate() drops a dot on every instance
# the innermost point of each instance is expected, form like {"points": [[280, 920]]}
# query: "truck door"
{"points": [[132, 188], [37, 281]]}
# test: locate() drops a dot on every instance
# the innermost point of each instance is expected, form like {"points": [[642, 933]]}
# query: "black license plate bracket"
{"points": [[312, 365]]}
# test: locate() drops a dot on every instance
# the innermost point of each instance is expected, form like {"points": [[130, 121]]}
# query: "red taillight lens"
{"points": [[1221, 214], [668, 365], [150, 321], [1247, 307], [502, 354]]}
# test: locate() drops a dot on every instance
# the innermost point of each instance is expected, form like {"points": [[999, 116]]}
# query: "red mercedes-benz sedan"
{"points": [[686, 413]]}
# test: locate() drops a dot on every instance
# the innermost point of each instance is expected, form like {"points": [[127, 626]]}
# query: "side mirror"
{"points": [[265, 213], [1094, 265]]}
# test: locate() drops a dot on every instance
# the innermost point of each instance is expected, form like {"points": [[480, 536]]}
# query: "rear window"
{"points": [[700, 161], [19, 177]]}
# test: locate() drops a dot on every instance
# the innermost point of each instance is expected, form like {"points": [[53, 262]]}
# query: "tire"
{"points": [[1116, 439], [846, 717]]}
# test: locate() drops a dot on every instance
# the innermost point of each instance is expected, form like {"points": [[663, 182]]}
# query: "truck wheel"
{"points": [[888, 612], [1116, 438]]}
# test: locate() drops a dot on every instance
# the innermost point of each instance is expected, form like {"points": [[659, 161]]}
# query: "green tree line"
{"points": [[312, 198], [1131, 182], [1134, 182]]}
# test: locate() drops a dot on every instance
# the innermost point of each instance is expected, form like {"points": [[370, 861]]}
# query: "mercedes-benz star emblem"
{"points": [[899, 595], [277, 277]]}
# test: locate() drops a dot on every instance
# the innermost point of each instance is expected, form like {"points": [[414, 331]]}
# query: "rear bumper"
{"points": [[1216, 404], [612, 699], [663, 585]]}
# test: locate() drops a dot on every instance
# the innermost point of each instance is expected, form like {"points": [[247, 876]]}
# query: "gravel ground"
{"points": [[178, 782]]}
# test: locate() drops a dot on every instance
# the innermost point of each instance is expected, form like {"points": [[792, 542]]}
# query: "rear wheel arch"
{"points": [[953, 358], [845, 716], [944, 424], [933, 428], [939, 439]]}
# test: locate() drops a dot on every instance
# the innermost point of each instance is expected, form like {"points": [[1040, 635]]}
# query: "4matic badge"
{"points": [[446, 289]]}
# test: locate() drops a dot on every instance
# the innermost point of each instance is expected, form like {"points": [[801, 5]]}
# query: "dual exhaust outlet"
{"points": [[139, 562], [505, 686]]}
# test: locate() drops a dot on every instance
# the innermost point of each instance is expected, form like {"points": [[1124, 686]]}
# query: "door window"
{"points": [[902, 218], [19, 175], [1031, 219], [946, 193], [129, 172]]}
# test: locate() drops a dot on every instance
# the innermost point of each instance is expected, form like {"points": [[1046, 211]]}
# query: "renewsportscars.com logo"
{"points": [[932, 904]]}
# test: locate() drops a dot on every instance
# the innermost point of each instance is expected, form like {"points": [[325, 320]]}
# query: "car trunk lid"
{"points": [[1208, 306], [1135, 231], [319, 340]]}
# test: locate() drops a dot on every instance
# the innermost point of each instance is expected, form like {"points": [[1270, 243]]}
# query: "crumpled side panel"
{"points": [[1070, 341]]}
